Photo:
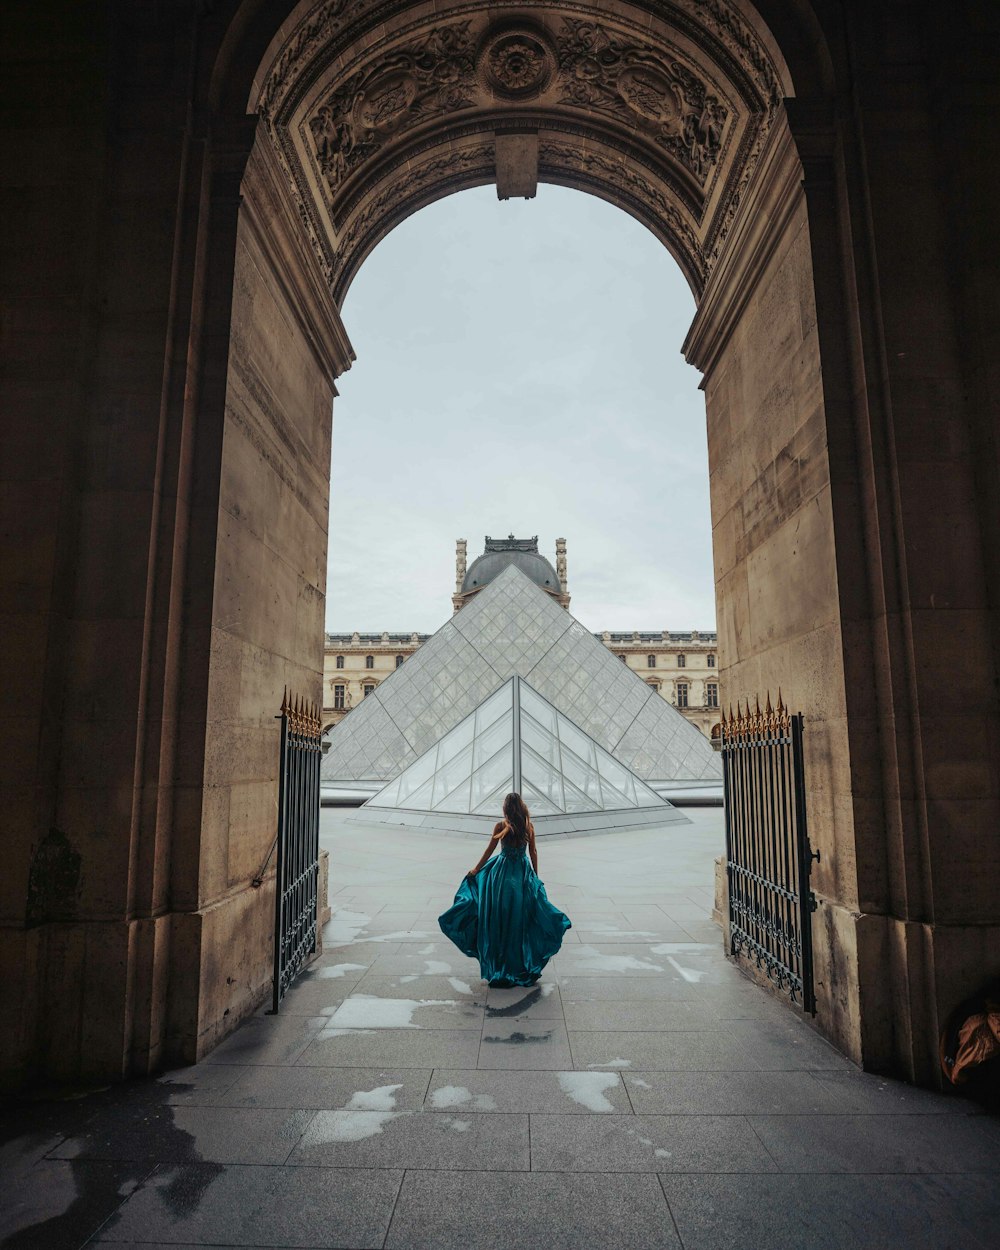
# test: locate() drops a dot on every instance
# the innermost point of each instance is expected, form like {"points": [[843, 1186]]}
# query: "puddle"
{"points": [[683, 948], [688, 974], [381, 1099], [344, 927], [426, 950], [515, 1009], [337, 971], [612, 1063], [640, 1084], [449, 1097], [432, 968], [324, 1034], [344, 1126], [460, 987], [588, 1088], [366, 1011], [459, 1126], [610, 929], [594, 961], [519, 1039], [398, 936]]}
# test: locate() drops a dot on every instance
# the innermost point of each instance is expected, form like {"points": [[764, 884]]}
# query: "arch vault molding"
{"points": [[374, 111]]}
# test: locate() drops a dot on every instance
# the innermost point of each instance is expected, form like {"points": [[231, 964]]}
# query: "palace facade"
{"points": [[682, 666]]}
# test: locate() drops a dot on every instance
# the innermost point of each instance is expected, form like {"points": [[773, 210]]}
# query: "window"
{"points": [[682, 694], [340, 661], [369, 661], [710, 660], [622, 658], [338, 695], [399, 660], [681, 661], [368, 688], [711, 694], [651, 661]]}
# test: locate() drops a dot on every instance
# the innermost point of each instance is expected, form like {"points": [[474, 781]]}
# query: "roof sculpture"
{"points": [[516, 740], [513, 627]]}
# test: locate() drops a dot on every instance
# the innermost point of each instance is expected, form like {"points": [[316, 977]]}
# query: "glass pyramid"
{"points": [[516, 740], [512, 627]]}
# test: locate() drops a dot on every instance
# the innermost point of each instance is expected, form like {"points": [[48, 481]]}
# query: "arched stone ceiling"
{"points": [[376, 109]]}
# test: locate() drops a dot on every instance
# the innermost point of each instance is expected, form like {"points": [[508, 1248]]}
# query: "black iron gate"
{"points": [[297, 898], [768, 858]]}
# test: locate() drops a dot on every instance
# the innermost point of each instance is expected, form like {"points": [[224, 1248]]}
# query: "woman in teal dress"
{"points": [[501, 914]]}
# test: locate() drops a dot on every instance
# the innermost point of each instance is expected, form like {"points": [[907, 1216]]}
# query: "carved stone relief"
{"points": [[587, 63], [451, 168], [516, 63], [601, 70], [434, 75]]}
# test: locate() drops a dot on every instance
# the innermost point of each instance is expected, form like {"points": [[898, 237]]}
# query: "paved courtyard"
{"points": [[644, 1094]]}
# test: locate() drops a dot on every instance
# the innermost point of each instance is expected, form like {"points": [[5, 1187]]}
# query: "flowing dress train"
{"points": [[502, 917]]}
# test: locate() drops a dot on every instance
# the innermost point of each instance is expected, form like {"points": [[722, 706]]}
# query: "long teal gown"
{"points": [[502, 917]]}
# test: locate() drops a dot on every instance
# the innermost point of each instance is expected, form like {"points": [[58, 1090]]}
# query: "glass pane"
{"points": [[582, 783], [494, 773], [453, 742], [539, 740], [389, 797], [494, 707], [542, 776], [415, 776], [543, 712], [452, 775], [537, 803], [499, 735], [492, 804], [420, 800]]}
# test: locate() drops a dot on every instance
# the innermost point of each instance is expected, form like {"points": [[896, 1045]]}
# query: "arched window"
{"points": [[681, 661], [369, 661], [399, 660], [340, 661], [651, 661]]}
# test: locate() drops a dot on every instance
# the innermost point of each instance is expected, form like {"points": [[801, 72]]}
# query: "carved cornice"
{"points": [[694, 110], [643, 197], [772, 196]]}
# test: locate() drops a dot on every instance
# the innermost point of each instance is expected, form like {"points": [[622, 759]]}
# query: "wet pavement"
{"points": [[644, 1094]]}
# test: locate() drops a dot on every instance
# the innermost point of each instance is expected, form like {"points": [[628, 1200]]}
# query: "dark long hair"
{"points": [[515, 813]]}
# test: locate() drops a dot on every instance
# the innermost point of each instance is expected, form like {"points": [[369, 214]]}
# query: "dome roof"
{"points": [[491, 564]]}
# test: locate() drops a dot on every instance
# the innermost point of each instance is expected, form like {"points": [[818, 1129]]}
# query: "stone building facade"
{"points": [[682, 666]]}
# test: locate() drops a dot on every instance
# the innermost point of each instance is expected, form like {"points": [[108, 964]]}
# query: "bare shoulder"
{"points": [[499, 828]]}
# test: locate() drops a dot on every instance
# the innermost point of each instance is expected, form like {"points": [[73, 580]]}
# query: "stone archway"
{"points": [[220, 203]]}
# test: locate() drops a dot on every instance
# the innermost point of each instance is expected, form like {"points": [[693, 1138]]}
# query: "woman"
{"points": [[501, 914]]}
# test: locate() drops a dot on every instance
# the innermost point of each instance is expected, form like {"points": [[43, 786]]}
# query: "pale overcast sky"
{"points": [[519, 369]]}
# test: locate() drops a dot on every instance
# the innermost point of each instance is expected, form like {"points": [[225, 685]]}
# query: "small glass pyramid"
{"points": [[516, 740]]}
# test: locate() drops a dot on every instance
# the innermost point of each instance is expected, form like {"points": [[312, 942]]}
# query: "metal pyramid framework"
{"points": [[516, 740], [513, 628]]}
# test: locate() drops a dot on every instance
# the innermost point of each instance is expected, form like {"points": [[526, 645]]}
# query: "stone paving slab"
{"points": [[644, 1081], [833, 1212], [479, 1091], [326, 1089], [646, 1143], [424, 1048], [411, 1140], [881, 1143], [179, 1134], [202, 1205], [531, 1045], [456, 1211]]}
